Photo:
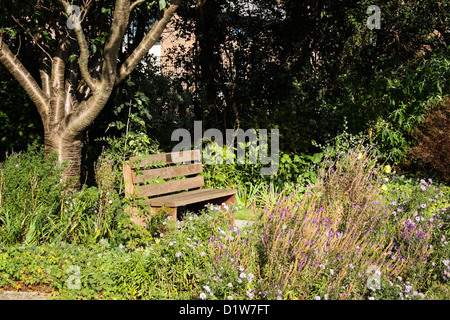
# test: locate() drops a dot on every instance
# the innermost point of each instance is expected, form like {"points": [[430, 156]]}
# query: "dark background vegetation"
{"points": [[313, 70]]}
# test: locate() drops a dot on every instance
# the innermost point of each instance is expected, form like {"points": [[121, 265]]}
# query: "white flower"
{"points": [[202, 296], [178, 254], [207, 289]]}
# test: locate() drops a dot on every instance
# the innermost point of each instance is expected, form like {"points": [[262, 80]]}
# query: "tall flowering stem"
{"points": [[327, 239]]}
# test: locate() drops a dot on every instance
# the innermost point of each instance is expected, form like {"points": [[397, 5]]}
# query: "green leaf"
{"points": [[106, 10], [162, 4], [73, 57]]}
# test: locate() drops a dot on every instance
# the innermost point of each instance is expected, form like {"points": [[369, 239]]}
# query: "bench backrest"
{"points": [[140, 170]]}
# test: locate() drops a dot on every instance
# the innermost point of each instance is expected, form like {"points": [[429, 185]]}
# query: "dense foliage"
{"points": [[358, 208]]}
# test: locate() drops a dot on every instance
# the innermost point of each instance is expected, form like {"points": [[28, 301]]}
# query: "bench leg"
{"points": [[134, 216], [231, 200], [172, 211]]}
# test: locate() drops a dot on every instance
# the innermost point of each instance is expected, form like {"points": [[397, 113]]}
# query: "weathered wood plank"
{"points": [[170, 186], [169, 172], [167, 158], [185, 198]]}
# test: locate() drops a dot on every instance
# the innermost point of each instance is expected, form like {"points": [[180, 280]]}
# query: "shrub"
{"points": [[342, 239], [30, 192], [433, 139], [36, 206]]}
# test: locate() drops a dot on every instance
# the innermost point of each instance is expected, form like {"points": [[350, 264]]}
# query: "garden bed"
{"points": [[359, 232]]}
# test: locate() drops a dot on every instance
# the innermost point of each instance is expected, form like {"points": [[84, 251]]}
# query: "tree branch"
{"points": [[83, 59], [147, 43], [87, 110], [31, 35], [136, 3], [44, 73], [112, 46], [57, 80], [26, 80]]}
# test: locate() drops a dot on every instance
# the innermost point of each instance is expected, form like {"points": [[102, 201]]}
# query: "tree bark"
{"points": [[68, 149]]}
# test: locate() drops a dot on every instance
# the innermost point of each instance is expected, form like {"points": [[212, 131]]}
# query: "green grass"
{"points": [[246, 214]]}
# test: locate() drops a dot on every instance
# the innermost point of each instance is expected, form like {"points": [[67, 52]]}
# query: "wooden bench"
{"points": [[180, 187]]}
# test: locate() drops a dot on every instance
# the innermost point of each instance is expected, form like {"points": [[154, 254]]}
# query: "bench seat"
{"points": [[189, 197]]}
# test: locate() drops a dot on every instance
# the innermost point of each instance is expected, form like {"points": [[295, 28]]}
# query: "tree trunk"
{"points": [[69, 151]]}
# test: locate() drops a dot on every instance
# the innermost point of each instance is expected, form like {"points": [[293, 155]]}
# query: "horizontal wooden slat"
{"points": [[169, 172], [167, 158], [185, 198], [169, 186]]}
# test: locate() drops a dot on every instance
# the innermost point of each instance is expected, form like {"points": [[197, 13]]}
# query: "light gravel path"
{"points": [[242, 223], [14, 295]]}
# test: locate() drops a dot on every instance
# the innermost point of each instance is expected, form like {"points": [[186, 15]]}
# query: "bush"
{"points": [[348, 237], [433, 140], [30, 193], [36, 206]]}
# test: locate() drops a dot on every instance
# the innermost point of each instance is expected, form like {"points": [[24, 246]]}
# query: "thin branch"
{"points": [[34, 39], [136, 3], [147, 43]]}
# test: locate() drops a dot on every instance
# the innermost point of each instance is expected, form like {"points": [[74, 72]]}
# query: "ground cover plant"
{"points": [[359, 232]]}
